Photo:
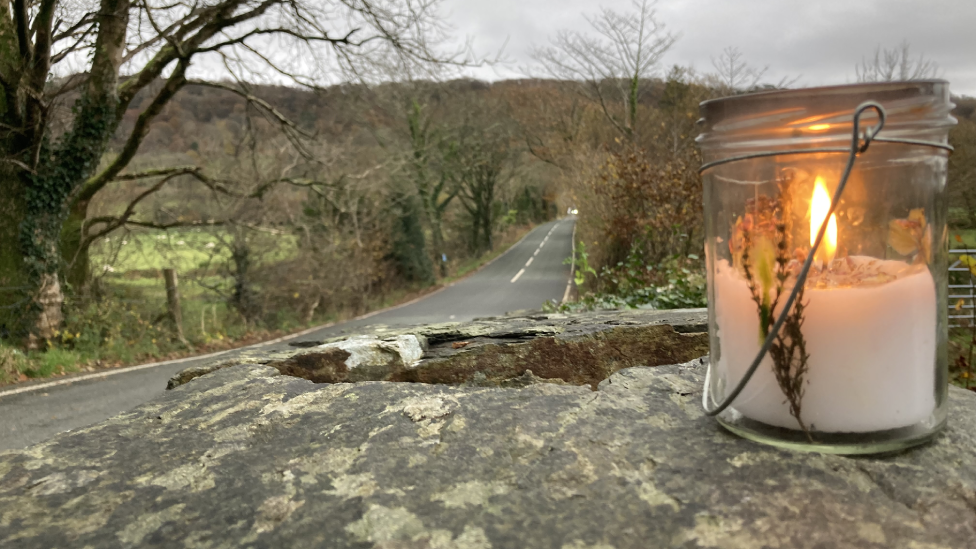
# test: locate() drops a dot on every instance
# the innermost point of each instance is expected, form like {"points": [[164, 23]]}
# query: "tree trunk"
{"points": [[310, 312], [38, 200], [409, 246], [173, 303], [76, 258], [438, 244], [48, 300], [14, 273], [243, 298], [30, 290], [489, 237]]}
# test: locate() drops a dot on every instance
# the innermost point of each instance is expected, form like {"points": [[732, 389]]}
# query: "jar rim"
{"points": [[916, 109], [886, 86]]}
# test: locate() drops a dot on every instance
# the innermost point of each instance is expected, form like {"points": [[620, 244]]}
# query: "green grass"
{"points": [[185, 250], [53, 361], [962, 238], [15, 364]]}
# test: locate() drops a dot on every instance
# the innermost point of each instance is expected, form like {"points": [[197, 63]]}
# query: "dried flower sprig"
{"points": [[760, 246]]}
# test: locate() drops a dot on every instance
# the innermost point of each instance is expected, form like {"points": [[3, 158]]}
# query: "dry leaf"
{"points": [[906, 236], [900, 237], [970, 263], [917, 216]]}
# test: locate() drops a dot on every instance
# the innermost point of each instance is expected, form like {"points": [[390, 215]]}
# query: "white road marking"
{"points": [[529, 262]]}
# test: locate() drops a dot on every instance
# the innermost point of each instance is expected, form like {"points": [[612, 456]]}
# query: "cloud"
{"points": [[822, 41]]}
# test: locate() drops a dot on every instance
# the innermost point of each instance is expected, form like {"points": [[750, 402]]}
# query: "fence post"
{"points": [[173, 303]]}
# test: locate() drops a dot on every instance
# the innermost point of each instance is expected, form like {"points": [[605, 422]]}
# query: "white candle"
{"points": [[872, 350]]}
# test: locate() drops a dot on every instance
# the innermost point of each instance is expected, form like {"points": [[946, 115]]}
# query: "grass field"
{"points": [[185, 250]]}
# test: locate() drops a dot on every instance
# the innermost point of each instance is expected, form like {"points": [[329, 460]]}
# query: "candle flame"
{"points": [[819, 206]]}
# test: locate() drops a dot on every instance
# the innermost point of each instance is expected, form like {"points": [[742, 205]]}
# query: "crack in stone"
{"points": [[890, 492]]}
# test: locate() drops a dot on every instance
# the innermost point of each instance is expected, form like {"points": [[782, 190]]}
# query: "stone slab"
{"points": [[247, 457]]}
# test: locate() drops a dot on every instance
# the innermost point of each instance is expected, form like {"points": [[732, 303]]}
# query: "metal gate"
{"points": [[962, 289]]}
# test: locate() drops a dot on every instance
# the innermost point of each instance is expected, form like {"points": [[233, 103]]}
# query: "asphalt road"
{"points": [[524, 277]]}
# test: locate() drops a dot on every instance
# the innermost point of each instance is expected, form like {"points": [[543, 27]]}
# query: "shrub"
{"points": [[653, 206], [676, 283], [117, 327], [51, 362], [12, 364]]}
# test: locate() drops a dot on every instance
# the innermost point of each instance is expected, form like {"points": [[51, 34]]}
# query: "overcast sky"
{"points": [[819, 40]]}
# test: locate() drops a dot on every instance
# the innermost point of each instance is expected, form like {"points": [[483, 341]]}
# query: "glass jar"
{"points": [[860, 364]]}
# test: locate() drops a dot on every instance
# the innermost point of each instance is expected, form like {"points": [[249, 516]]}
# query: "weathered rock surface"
{"points": [[576, 349], [247, 457]]}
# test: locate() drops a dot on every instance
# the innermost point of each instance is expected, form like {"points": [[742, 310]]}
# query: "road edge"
{"points": [[572, 267]]}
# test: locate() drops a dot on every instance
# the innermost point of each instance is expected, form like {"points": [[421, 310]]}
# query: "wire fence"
{"points": [[962, 289]]}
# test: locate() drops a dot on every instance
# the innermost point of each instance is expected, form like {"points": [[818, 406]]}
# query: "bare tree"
{"points": [[429, 168], [100, 56], [896, 64], [733, 74], [485, 160], [625, 49]]}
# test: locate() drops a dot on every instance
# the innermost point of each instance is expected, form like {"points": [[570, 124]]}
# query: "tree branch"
{"points": [[161, 226], [36, 110], [110, 226], [182, 170], [23, 29], [209, 21], [175, 82], [345, 40], [79, 41]]}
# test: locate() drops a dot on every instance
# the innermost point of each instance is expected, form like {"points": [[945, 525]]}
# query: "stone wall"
{"points": [[486, 456]]}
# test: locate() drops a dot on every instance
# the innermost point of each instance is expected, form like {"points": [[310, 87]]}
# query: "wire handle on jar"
{"points": [[859, 144]]}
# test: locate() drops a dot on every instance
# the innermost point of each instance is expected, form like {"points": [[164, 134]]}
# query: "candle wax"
{"points": [[872, 353]]}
